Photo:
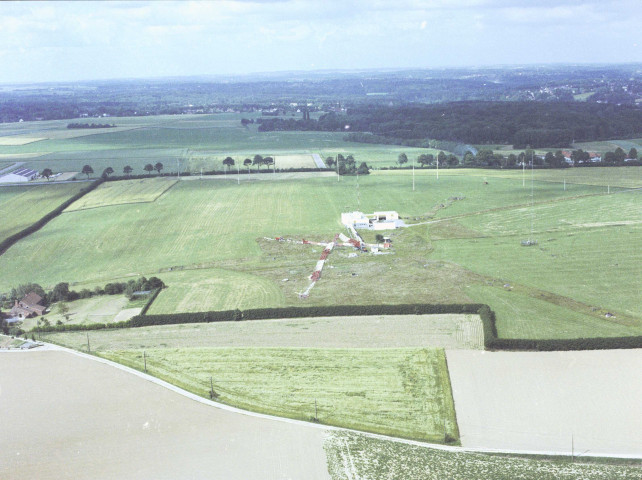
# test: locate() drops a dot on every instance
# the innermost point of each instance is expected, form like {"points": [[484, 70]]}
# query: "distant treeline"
{"points": [[90, 125], [535, 124]]}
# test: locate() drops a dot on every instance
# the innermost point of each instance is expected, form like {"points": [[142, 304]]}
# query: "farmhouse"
{"points": [[373, 221], [28, 307], [20, 175]]}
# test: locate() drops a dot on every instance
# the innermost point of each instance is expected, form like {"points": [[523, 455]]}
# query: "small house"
{"points": [[28, 307]]}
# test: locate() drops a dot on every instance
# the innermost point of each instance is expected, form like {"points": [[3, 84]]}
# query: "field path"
{"points": [[74, 418]]}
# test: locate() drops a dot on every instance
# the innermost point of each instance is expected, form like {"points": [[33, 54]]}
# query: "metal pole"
{"points": [[337, 164], [88, 348], [437, 168], [211, 388], [413, 177]]}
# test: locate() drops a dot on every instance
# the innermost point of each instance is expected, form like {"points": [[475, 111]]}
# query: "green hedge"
{"points": [[153, 296], [37, 225], [487, 316]]}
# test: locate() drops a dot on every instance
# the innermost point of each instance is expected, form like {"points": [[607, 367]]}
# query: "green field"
{"points": [[129, 191], [190, 142], [351, 456], [205, 239], [98, 309], [402, 392], [22, 206]]}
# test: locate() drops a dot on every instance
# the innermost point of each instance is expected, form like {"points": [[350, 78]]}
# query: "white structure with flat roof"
{"points": [[372, 221]]}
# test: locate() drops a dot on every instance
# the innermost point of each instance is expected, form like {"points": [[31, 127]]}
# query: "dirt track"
{"points": [[547, 401], [76, 418]]}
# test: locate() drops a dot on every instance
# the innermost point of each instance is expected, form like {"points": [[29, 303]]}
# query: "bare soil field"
{"points": [[587, 402], [76, 418]]}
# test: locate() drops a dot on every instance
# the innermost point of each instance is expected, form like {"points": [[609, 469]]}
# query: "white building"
{"points": [[373, 221], [20, 175]]}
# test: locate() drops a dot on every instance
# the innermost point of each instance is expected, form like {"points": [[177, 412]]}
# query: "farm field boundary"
{"points": [[328, 428], [9, 241], [487, 316]]}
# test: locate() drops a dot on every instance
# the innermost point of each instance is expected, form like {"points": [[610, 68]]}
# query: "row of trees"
{"points": [[127, 170], [489, 158]]}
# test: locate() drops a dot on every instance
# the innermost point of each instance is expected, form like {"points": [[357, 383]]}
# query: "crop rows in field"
{"points": [[123, 192], [403, 392]]}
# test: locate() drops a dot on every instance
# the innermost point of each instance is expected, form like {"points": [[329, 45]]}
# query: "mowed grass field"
{"points": [[118, 193], [401, 392], [22, 206], [385, 331]]}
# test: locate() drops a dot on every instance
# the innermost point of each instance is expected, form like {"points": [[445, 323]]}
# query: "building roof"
{"points": [[25, 172], [32, 298]]}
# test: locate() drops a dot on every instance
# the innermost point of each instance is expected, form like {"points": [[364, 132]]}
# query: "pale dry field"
{"points": [[13, 141], [295, 161], [588, 401], [390, 331], [76, 418]]}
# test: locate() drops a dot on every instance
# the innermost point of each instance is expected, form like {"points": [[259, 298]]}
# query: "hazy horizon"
{"points": [[82, 41]]}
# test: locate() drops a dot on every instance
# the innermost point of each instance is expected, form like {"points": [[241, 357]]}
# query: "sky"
{"points": [[72, 41]]}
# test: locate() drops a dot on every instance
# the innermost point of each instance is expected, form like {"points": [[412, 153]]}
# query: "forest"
{"points": [[521, 124]]}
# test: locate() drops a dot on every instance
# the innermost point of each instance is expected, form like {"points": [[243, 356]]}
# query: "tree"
{"points": [[247, 162], [127, 170], [268, 161], [441, 158], [87, 170], [158, 167], [633, 153], [329, 162], [59, 293], [363, 169], [402, 158], [228, 162], [107, 172], [452, 160], [149, 168], [258, 161], [63, 309], [549, 159], [47, 173], [620, 155]]}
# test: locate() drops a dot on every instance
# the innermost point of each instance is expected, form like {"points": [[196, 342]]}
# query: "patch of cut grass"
{"points": [[124, 192], [385, 331], [522, 316]]}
